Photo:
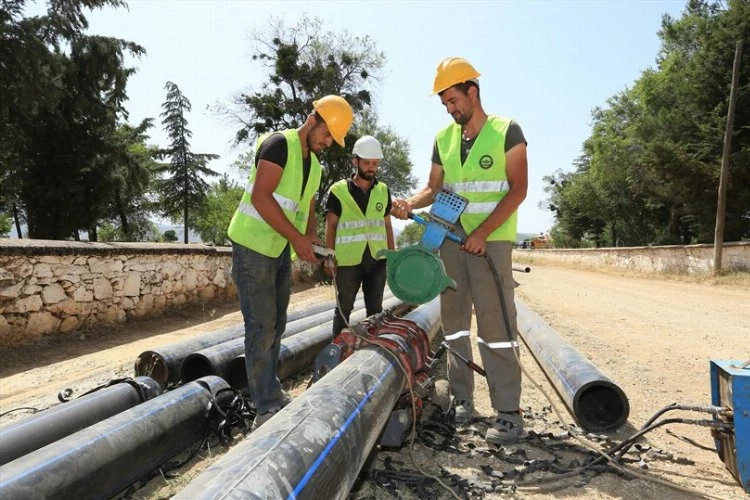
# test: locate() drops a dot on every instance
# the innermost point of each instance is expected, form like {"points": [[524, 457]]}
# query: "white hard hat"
{"points": [[368, 147]]}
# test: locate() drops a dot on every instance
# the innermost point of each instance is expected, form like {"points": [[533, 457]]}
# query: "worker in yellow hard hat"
{"points": [[275, 218], [482, 158]]}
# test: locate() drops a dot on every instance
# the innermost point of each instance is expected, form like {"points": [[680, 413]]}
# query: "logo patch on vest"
{"points": [[378, 206], [486, 162]]}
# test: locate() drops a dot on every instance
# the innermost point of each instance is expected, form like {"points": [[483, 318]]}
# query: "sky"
{"points": [[546, 64]]}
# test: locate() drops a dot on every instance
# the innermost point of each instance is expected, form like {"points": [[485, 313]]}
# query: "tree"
{"points": [[169, 236], [133, 173], [305, 63], [5, 224], [213, 218], [183, 190], [655, 149], [411, 235], [63, 92]]}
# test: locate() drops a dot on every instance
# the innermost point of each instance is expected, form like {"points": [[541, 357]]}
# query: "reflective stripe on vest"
{"points": [[248, 228], [356, 230], [482, 178]]}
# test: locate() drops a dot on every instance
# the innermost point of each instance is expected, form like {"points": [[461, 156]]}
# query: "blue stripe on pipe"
{"points": [[340, 432], [99, 437]]}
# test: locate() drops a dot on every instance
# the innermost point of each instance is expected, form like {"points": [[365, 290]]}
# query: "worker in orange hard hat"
{"points": [[482, 158], [276, 218]]}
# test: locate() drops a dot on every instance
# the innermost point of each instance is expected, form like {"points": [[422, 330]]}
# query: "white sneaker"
{"points": [[506, 428], [464, 411]]}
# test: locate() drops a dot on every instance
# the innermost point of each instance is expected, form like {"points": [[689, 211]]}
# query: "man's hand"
{"points": [[401, 209], [475, 243], [302, 245]]}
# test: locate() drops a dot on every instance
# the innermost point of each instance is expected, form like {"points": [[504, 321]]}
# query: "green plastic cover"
{"points": [[415, 274]]}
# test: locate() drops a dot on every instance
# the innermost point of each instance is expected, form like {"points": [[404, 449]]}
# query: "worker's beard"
{"points": [[368, 176]]}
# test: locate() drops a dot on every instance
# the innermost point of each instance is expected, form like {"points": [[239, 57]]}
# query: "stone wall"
{"points": [[57, 287], [683, 259]]}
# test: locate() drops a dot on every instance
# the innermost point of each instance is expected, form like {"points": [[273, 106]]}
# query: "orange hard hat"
{"points": [[338, 115], [452, 71]]}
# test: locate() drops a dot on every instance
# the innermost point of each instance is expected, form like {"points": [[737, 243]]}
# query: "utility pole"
{"points": [[724, 176]]}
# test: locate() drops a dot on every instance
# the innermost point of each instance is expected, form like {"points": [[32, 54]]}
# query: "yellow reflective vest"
{"points": [[355, 229], [482, 178], [248, 227]]}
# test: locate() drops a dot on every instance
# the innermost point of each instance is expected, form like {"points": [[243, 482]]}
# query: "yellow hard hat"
{"points": [[452, 71], [338, 115]]}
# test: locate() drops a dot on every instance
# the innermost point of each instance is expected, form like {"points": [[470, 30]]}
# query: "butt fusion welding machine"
{"points": [[730, 388], [416, 275]]}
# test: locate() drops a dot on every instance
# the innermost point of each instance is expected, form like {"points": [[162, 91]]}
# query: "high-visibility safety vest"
{"points": [[355, 229], [482, 178], [248, 227]]}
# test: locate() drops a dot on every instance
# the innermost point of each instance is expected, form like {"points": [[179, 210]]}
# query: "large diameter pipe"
{"points": [[597, 403], [105, 458], [315, 447], [215, 359], [55, 423], [163, 364], [298, 351]]}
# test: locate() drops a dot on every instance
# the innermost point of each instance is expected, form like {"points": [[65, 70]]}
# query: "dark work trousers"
{"points": [[475, 286], [263, 288], [371, 275]]}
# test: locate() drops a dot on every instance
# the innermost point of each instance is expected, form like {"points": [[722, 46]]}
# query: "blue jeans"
{"points": [[263, 287]]}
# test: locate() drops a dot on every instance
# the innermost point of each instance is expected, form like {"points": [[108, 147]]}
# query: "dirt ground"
{"points": [[653, 336]]}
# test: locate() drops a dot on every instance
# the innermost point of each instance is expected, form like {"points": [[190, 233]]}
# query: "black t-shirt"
{"points": [[361, 197], [513, 137], [274, 149]]}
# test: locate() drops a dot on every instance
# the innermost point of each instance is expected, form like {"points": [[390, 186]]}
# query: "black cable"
{"points": [[714, 410], [33, 410], [501, 295]]}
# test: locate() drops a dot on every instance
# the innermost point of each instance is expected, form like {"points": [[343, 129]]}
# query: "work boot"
{"points": [[506, 428], [262, 418], [463, 411]]}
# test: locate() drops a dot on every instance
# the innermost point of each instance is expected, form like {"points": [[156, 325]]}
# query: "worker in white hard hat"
{"points": [[358, 226]]}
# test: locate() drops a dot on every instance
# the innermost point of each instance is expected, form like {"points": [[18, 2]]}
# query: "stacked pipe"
{"points": [[55, 423], [597, 403], [105, 458], [163, 364], [315, 447], [217, 359]]}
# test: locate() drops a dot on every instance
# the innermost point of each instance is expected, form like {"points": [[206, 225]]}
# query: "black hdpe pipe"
{"points": [[55, 423], [214, 360], [315, 447], [298, 351], [163, 364], [105, 458], [596, 402]]}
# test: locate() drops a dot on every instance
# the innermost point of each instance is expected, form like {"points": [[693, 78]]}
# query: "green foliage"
{"points": [[395, 167], [6, 224], [62, 93], [411, 235], [182, 191], [212, 219], [649, 171], [169, 236], [305, 63]]}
